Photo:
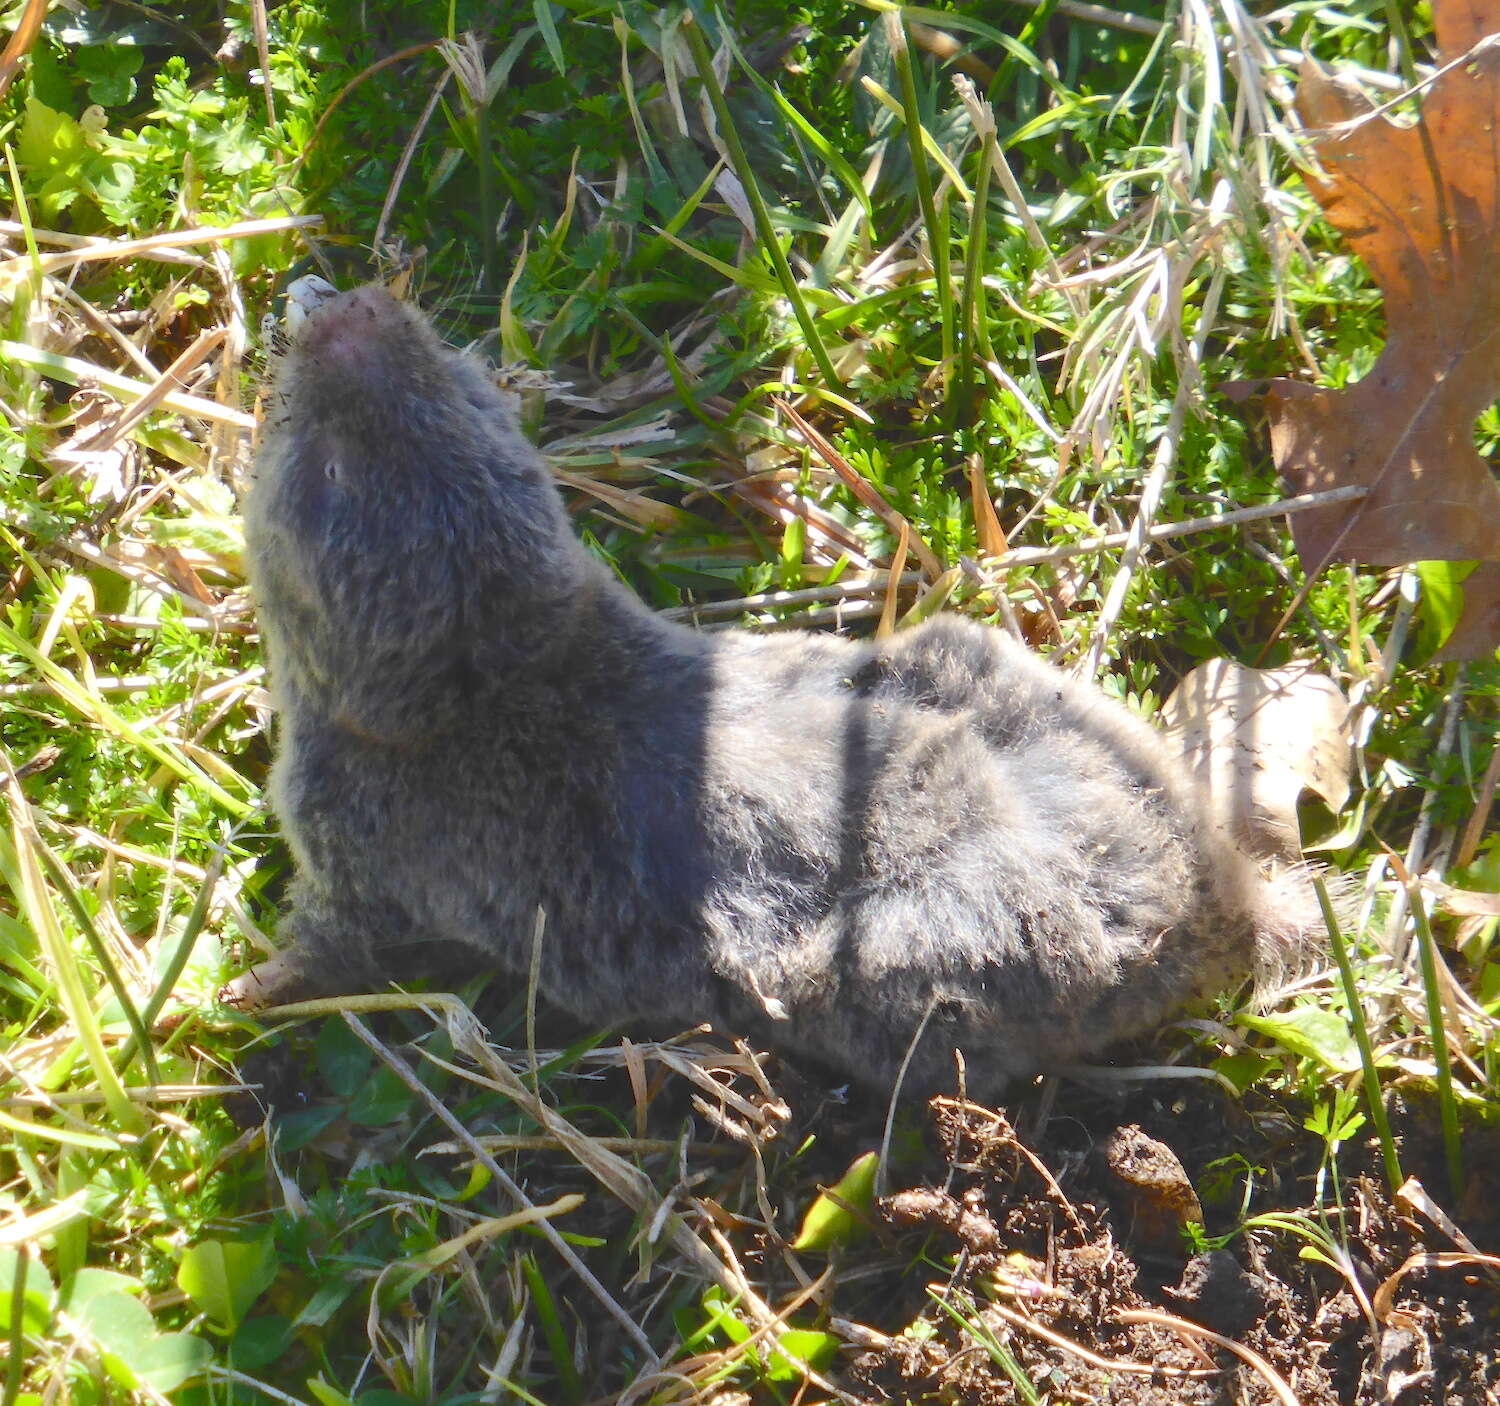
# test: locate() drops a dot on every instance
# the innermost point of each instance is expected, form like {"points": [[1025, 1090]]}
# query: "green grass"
{"points": [[659, 265]]}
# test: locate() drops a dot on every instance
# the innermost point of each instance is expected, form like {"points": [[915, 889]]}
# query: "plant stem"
{"points": [[973, 332], [17, 1325], [1405, 61]]}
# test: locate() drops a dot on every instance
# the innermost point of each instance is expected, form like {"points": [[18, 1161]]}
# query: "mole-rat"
{"points": [[858, 851]]}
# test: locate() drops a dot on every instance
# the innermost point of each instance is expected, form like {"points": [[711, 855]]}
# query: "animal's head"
{"points": [[394, 503]]}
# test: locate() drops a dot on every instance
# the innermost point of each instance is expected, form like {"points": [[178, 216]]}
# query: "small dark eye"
{"points": [[331, 471]]}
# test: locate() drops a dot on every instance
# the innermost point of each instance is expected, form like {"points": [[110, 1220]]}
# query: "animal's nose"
{"points": [[355, 348]]}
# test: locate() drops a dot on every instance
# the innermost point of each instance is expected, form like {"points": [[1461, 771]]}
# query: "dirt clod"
{"points": [[930, 1207], [1151, 1182], [1218, 1292]]}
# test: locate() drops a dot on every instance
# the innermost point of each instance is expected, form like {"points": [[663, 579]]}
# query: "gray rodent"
{"points": [[817, 842]]}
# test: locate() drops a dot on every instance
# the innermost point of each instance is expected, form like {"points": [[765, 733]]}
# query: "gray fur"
{"points": [[814, 841]]}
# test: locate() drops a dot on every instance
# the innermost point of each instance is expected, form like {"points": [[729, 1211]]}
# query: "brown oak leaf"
{"points": [[1420, 204]]}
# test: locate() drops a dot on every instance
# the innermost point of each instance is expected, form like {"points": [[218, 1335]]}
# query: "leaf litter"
{"points": [[1420, 204]]}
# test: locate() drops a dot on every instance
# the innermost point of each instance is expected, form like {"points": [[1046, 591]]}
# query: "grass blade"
{"points": [[999, 1354], [1437, 1032], [937, 232], [830, 154], [974, 337], [33, 897], [1371, 1074], [194, 925], [553, 1329], [542, 9], [730, 136], [63, 881], [17, 1326]]}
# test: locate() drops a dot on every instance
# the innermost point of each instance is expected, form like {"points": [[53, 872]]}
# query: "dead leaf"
{"points": [[862, 488], [1413, 1198], [1467, 903], [827, 538], [992, 542], [635, 507], [887, 626], [946, 49], [1385, 1295], [1420, 205], [104, 463], [182, 573], [1256, 739]]}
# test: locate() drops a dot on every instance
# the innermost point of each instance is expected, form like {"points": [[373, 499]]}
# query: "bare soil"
{"points": [[1074, 1247], [1062, 1255]]}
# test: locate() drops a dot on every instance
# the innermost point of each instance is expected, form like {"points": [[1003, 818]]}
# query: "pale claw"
{"points": [[274, 982]]}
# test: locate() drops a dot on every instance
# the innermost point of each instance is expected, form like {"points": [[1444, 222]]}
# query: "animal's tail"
{"points": [[1291, 932]]}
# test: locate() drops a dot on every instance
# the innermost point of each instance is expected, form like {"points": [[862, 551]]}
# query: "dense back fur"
{"points": [[827, 844]]}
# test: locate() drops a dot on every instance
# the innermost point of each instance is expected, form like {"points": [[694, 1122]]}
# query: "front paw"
{"points": [[277, 981]]}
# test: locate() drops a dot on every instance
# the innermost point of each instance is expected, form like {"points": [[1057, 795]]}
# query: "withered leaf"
{"points": [[1256, 739], [1467, 903], [1420, 205]]}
